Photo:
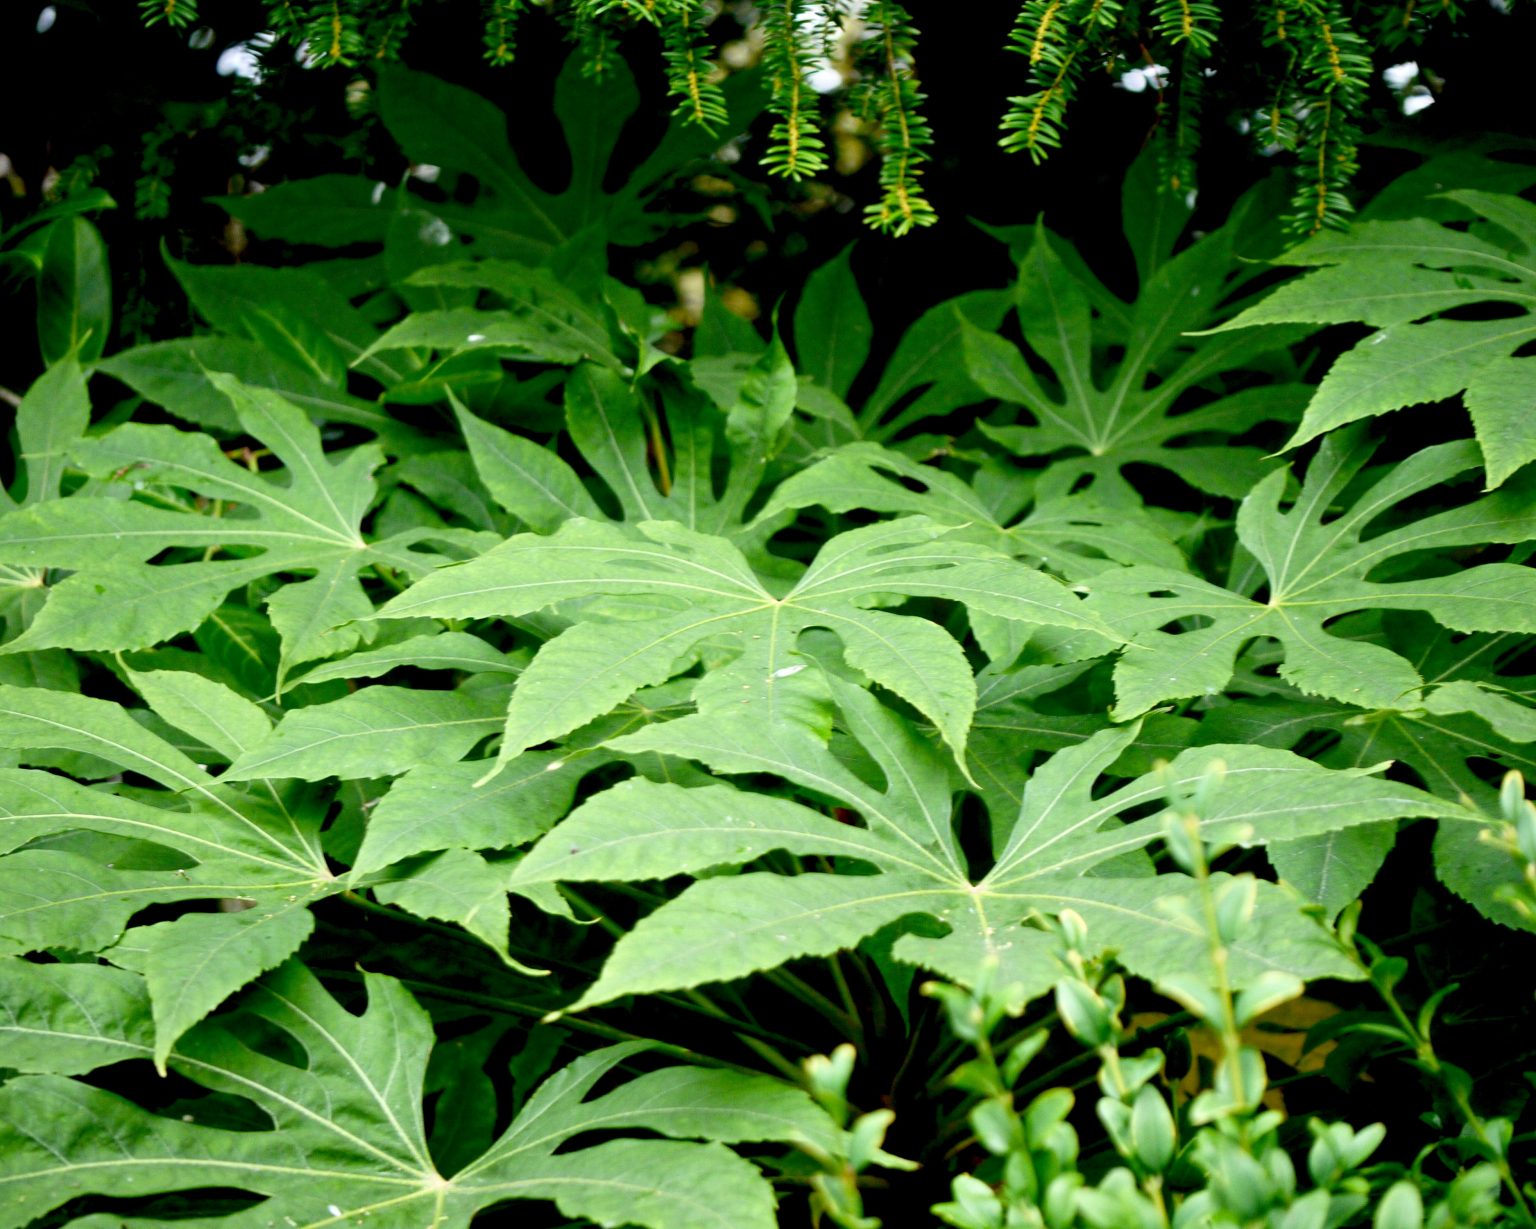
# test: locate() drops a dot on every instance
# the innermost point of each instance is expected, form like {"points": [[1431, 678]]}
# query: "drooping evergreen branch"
{"points": [[1306, 96], [700, 100], [173, 13], [501, 18], [796, 148], [902, 133]]}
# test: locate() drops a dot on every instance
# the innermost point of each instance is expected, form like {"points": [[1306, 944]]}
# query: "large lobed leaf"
{"points": [[700, 587], [1406, 277], [1065, 846], [345, 1141]]}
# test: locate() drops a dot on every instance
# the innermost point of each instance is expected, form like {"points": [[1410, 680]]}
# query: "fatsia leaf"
{"points": [[705, 588], [1060, 848], [1333, 869], [1449, 750], [214, 828], [260, 847], [832, 326], [194, 963], [1154, 406], [206, 709], [292, 311], [49, 422], [74, 292], [456, 886], [1508, 718], [435, 650], [347, 1137], [174, 374], [67, 1019], [536, 317], [378, 731], [658, 449], [436, 807], [529, 481], [1403, 277], [309, 523], [923, 363], [329, 210], [448, 126], [1317, 567], [1074, 534]]}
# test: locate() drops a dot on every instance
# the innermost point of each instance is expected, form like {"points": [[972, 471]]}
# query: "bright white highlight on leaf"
{"points": [[240, 59], [46, 18], [825, 79], [1136, 80]]}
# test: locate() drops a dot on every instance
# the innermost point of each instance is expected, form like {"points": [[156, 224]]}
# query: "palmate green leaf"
{"points": [[261, 847], [528, 480], [1318, 567], [1402, 277], [832, 326], [448, 126], [1335, 868], [436, 806], [1508, 717], [923, 363], [49, 421], [209, 825], [666, 472], [74, 292], [377, 731], [1074, 534], [309, 523], [67, 1019], [174, 374], [1013, 727], [1171, 401], [460, 887], [538, 318], [227, 845], [1061, 848], [191, 965], [435, 650], [704, 588], [440, 806], [328, 210], [1447, 748], [206, 709], [293, 312], [347, 1138]]}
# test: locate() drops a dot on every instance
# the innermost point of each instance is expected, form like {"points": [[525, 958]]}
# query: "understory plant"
{"points": [[472, 755]]}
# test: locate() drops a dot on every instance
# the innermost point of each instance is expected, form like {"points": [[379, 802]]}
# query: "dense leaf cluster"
{"points": [[426, 588]]}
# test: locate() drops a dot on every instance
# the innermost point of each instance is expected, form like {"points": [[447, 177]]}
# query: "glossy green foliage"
{"points": [[431, 595], [1406, 277]]}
